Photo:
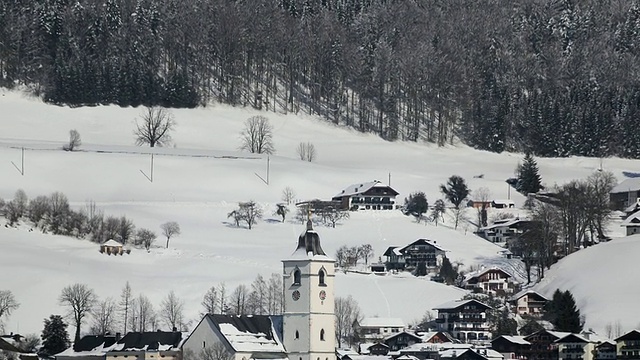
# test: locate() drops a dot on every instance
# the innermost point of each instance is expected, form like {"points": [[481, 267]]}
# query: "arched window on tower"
{"points": [[321, 278], [296, 277], [321, 334], [297, 335]]}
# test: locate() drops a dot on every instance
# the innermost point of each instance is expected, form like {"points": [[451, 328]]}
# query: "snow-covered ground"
{"points": [[203, 176]]}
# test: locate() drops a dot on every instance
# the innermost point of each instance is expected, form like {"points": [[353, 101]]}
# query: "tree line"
{"points": [[555, 78]]}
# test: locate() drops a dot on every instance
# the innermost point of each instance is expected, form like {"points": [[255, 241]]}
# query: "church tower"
{"points": [[309, 319]]}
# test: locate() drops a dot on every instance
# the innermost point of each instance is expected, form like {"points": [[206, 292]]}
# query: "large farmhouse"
{"points": [[421, 251], [466, 320], [625, 194], [372, 195]]}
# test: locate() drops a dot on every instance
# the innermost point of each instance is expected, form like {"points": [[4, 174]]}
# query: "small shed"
{"points": [[378, 268], [112, 247]]}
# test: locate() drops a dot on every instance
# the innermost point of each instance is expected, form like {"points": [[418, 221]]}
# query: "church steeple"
{"points": [[309, 241]]}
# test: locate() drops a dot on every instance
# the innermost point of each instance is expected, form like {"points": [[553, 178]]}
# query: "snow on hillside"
{"points": [[603, 279], [199, 180]]}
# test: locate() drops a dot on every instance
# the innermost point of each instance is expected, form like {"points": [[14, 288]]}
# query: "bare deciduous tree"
{"points": [[74, 141], [306, 151], [482, 195], [238, 300], [275, 299], [217, 351], [257, 136], [143, 316], [104, 320], [80, 300], [210, 301], [288, 195], [145, 237], [249, 212], [365, 252], [169, 230], [347, 312], [332, 216], [172, 311], [126, 302], [155, 128], [8, 304]]}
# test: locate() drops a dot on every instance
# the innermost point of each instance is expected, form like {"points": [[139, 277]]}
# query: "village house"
{"points": [[112, 247], [528, 302], [625, 194], [632, 209], [372, 195], [410, 256], [503, 231], [465, 320], [511, 347], [401, 340], [494, 281], [632, 224], [574, 347], [606, 350], [165, 345], [543, 345], [89, 347], [243, 336], [376, 329], [436, 337], [628, 346], [11, 346], [378, 349]]}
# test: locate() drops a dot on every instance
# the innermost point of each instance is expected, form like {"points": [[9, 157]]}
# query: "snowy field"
{"points": [[201, 178]]}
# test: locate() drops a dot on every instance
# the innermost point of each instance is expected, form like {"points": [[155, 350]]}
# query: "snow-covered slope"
{"points": [[199, 180]]}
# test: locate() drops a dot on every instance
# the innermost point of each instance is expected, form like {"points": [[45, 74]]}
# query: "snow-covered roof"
{"points": [[422, 241], [502, 201], [400, 333], [458, 303], [572, 338], [633, 219], [360, 188], [376, 322], [8, 346], [479, 273], [111, 242], [508, 223], [632, 184], [633, 207], [515, 339], [149, 341], [248, 333], [90, 345], [526, 292]]}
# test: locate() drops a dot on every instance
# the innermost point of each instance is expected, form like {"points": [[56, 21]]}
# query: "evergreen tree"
{"points": [[448, 272], [503, 323], [529, 180], [416, 204], [563, 313], [531, 326], [456, 190], [54, 336]]}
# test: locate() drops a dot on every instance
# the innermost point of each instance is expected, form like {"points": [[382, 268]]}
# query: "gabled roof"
{"points": [[380, 345], [519, 340], [633, 219], [456, 353], [91, 342], [422, 242], [556, 334], [111, 242], [535, 294], [453, 305], [428, 336], [5, 345], [479, 274], [632, 184], [392, 250], [362, 188], [248, 333], [503, 223], [416, 337], [606, 343], [631, 335], [572, 338], [376, 322], [156, 341], [633, 207]]}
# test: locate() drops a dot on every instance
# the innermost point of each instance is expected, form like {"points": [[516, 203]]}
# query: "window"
{"points": [[321, 278], [322, 335], [296, 277], [297, 335]]}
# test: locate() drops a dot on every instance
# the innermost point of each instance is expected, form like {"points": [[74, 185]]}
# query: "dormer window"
{"points": [[321, 278], [322, 335], [296, 277]]}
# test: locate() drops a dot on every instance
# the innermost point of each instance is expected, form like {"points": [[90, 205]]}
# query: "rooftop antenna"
{"points": [[150, 178], [21, 168]]}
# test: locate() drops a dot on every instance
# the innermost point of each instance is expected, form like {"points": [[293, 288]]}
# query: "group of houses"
{"points": [[372, 195]]}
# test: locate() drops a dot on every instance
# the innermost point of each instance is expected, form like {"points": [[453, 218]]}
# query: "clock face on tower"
{"points": [[295, 295], [323, 295]]}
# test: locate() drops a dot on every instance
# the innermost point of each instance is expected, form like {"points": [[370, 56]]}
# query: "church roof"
{"points": [[250, 333], [309, 246]]}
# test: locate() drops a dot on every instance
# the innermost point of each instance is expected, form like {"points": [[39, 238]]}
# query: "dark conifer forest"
{"points": [[549, 77]]}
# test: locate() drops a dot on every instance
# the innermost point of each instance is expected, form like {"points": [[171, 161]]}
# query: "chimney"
{"points": [[118, 336]]}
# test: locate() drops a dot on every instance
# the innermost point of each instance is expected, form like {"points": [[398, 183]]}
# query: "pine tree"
{"points": [[54, 336], [448, 272], [529, 180], [456, 190], [563, 313], [416, 204]]}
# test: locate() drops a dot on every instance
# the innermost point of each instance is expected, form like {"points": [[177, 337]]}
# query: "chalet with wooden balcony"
{"points": [[543, 345], [511, 346], [574, 347], [628, 346], [372, 195], [503, 231], [401, 340], [410, 256], [494, 281], [528, 302], [465, 320], [605, 350]]}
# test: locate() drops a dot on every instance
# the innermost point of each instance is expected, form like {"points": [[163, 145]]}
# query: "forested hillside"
{"points": [[554, 77]]}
